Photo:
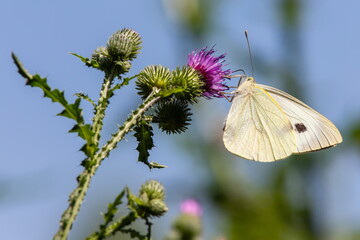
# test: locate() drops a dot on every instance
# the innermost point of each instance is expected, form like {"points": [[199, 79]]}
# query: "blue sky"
{"points": [[40, 160]]}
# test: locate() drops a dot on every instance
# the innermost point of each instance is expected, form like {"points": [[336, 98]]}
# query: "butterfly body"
{"points": [[265, 124]]}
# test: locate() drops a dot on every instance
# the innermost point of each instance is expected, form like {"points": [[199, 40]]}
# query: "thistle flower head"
{"points": [[211, 69], [190, 206], [188, 225]]}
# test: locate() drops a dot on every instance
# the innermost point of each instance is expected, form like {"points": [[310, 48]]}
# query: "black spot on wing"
{"points": [[300, 127]]}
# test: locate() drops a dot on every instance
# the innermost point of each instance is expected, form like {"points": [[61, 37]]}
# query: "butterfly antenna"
{"points": [[240, 70], [251, 59]]}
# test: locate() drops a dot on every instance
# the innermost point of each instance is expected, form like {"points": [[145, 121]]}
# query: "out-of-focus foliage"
{"points": [[355, 133], [193, 15], [289, 9]]}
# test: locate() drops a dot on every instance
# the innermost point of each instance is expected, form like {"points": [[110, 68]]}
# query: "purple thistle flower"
{"points": [[210, 67], [192, 207]]}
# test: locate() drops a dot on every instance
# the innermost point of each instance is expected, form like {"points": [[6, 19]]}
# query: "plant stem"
{"points": [[77, 196], [102, 105], [149, 224], [131, 121]]}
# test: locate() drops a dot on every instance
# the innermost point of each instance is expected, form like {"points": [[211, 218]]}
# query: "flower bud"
{"points": [[150, 202], [153, 190], [124, 45], [157, 207], [102, 57], [188, 82], [121, 48], [189, 226], [172, 116], [151, 77]]}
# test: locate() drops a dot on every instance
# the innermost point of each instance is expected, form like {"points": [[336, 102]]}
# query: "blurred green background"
{"points": [[307, 48]]}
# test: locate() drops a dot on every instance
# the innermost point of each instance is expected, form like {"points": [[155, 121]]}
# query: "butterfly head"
{"points": [[244, 79]]}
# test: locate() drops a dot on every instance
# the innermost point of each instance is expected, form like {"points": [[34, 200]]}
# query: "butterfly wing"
{"points": [[313, 131], [256, 128]]}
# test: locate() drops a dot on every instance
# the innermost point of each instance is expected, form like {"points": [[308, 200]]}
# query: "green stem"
{"points": [[129, 123], [77, 196], [149, 224], [102, 105]]}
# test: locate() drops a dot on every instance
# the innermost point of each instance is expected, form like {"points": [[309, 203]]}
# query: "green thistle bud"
{"points": [[188, 83], [189, 226], [172, 116], [124, 45], [126, 65], [121, 48], [153, 190], [150, 202], [102, 57], [151, 77], [157, 208]]}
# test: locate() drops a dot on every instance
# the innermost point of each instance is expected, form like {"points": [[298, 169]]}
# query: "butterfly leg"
{"points": [[225, 95]]}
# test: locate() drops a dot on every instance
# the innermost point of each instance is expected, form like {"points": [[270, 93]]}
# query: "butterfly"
{"points": [[265, 124]]}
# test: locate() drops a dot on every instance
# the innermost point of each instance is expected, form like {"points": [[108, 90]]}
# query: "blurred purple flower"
{"points": [[211, 68], [192, 207]]}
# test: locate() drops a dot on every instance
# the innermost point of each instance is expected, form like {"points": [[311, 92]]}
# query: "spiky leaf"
{"points": [[85, 97], [72, 111], [90, 63], [134, 234], [112, 209], [144, 134], [85, 132]]}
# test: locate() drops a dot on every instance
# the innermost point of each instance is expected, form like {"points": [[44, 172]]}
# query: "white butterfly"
{"points": [[265, 124]]}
